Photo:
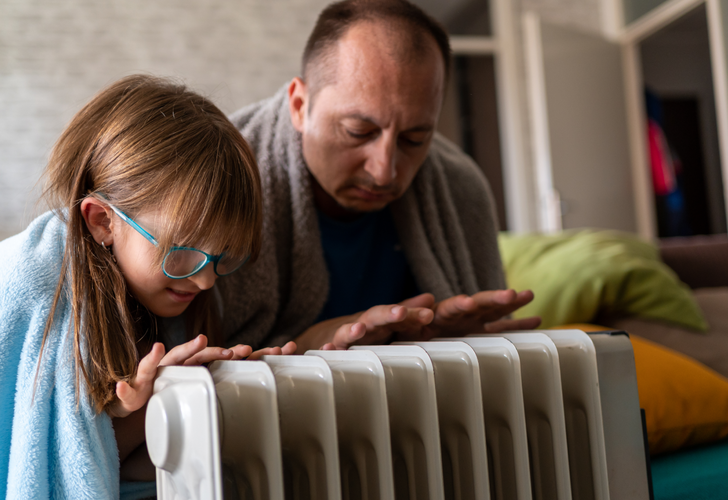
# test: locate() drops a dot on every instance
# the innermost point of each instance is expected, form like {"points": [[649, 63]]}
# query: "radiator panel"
{"points": [[539, 414]]}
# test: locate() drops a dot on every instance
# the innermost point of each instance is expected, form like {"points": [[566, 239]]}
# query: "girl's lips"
{"points": [[181, 296]]}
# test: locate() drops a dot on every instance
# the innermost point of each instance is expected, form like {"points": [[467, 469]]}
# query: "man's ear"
{"points": [[98, 220], [297, 102]]}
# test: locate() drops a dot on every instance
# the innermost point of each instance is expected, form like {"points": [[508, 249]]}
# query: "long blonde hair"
{"points": [[145, 144]]}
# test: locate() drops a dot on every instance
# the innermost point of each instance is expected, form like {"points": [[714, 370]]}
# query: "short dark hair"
{"points": [[336, 19]]}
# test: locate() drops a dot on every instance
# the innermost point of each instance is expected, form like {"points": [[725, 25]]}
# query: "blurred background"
{"points": [[582, 113]]}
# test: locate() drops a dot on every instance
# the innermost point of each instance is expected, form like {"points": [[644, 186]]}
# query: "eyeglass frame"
{"points": [[208, 258]]}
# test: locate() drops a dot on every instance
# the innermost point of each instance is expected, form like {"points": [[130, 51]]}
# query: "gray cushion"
{"points": [[709, 348]]}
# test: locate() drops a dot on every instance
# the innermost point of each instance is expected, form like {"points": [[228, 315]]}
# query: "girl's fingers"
{"points": [[289, 348], [178, 355], [209, 354], [130, 399], [147, 369], [124, 391], [134, 395], [267, 351], [241, 351]]}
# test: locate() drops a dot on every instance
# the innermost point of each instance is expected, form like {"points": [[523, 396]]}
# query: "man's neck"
{"points": [[327, 205]]}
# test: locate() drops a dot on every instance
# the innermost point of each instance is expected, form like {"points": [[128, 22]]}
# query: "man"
{"points": [[366, 207]]}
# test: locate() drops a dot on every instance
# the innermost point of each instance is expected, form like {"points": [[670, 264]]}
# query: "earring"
{"points": [[113, 257]]}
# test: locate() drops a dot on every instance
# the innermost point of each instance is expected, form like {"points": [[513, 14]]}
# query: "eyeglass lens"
{"points": [[184, 262]]}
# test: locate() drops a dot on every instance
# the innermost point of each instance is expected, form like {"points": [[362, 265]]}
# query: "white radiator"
{"points": [[527, 415]]}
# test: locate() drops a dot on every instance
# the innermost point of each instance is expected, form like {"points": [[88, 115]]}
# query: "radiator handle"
{"points": [[181, 427]]}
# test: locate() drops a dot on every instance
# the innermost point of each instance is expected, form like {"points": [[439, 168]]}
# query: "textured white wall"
{"points": [[55, 55]]}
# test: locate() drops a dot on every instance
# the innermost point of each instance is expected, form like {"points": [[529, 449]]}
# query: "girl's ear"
{"points": [[98, 220]]}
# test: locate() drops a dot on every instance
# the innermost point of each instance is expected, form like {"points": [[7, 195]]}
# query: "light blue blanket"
{"points": [[51, 445]]}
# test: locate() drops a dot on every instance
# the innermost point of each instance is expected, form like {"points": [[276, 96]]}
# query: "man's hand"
{"points": [[483, 312], [134, 394], [421, 318], [376, 325]]}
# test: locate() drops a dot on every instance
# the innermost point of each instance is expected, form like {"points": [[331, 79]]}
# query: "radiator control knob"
{"points": [[163, 429]]}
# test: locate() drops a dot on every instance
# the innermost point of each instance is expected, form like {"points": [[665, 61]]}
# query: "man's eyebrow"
{"points": [[364, 118], [420, 128], [360, 117]]}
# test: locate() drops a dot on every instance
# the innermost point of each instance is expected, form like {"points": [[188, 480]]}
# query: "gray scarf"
{"points": [[445, 220]]}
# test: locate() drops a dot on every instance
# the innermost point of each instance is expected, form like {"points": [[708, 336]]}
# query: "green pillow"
{"points": [[576, 275]]}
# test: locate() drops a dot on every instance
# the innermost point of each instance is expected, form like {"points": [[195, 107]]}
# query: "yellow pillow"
{"points": [[685, 402]]}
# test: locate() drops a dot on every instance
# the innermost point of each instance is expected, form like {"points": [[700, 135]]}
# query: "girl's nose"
{"points": [[204, 279]]}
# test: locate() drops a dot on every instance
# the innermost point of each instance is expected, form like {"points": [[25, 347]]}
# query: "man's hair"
{"points": [[336, 19]]}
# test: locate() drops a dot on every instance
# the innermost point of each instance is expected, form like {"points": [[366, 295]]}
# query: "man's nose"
{"points": [[206, 278], [382, 162]]}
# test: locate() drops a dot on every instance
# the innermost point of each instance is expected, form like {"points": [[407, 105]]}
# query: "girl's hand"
{"points": [[289, 348], [135, 394]]}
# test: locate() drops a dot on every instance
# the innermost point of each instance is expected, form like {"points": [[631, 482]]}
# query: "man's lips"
{"points": [[181, 295], [368, 195]]}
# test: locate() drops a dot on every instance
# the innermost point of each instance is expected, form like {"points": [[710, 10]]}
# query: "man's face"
{"points": [[369, 131]]}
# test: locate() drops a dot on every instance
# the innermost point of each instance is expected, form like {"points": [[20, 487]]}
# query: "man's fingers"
{"points": [[421, 300], [508, 298], [178, 355], [504, 325], [420, 316], [348, 334], [395, 317], [381, 315], [493, 305], [455, 307]]}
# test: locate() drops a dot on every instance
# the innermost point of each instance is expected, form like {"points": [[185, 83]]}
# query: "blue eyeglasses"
{"points": [[183, 262]]}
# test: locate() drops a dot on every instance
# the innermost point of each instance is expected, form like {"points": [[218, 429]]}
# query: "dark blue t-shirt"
{"points": [[366, 264]]}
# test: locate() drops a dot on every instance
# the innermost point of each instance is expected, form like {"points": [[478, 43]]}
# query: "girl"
{"points": [[155, 195]]}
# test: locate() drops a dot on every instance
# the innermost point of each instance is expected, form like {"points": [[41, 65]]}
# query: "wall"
{"points": [[55, 55]]}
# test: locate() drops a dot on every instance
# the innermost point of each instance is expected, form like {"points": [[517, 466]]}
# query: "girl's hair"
{"points": [[146, 145]]}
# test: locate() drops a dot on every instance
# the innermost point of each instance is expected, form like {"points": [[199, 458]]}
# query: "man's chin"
{"points": [[363, 206]]}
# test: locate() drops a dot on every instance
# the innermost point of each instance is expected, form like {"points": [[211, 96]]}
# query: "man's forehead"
{"points": [[368, 45]]}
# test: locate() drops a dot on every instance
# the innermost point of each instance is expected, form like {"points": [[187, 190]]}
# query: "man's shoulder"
{"points": [[259, 113], [462, 173], [266, 126]]}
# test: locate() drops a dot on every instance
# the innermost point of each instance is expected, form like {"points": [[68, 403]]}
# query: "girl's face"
{"points": [[135, 255]]}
